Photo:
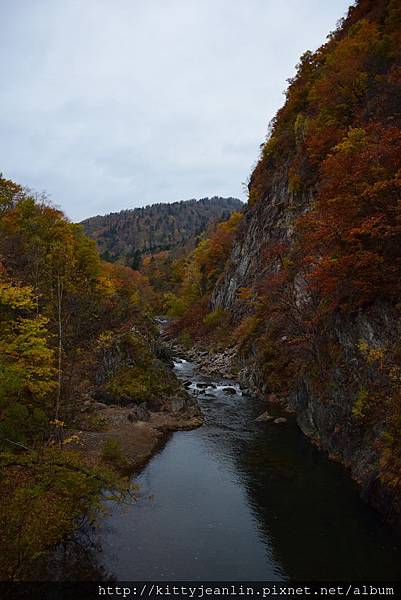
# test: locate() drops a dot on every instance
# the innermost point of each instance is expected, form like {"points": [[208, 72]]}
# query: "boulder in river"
{"points": [[229, 390], [264, 417]]}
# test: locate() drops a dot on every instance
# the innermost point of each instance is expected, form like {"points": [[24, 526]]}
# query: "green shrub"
{"points": [[173, 305], [214, 318], [44, 498], [23, 425], [186, 339], [113, 454], [130, 384], [95, 423]]}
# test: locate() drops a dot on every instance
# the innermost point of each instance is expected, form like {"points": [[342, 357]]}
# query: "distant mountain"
{"points": [[128, 234]]}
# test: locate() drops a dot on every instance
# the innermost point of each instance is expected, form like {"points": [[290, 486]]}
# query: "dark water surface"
{"points": [[236, 500]]}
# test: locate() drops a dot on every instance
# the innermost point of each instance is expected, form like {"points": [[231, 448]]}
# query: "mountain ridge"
{"points": [[126, 235]]}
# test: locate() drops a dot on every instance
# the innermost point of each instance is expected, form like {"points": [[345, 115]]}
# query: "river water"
{"points": [[240, 500]]}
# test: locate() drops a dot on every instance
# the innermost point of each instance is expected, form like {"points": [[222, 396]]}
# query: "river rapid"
{"points": [[242, 500]]}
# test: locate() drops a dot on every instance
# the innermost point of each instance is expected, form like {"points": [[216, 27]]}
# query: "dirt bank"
{"points": [[138, 440]]}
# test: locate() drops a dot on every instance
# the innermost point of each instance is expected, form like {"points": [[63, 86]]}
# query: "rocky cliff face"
{"points": [[329, 420], [312, 283], [271, 219]]}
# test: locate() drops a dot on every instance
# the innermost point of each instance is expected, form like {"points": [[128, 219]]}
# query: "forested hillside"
{"points": [[75, 338], [126, 235], [310, 293]]}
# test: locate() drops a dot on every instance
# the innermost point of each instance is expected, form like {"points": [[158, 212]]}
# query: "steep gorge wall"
{"points": [[270, 219], [328, 421], [339, 378]]}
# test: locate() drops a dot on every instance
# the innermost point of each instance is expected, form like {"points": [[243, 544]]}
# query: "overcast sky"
{"points": [[112, 104]]}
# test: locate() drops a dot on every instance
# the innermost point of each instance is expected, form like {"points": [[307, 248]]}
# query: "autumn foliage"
{"points": [[335, 146], [57, 300], [338, 138], [198, 274], [352, 235]]}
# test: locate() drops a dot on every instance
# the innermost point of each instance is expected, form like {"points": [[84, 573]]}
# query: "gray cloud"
{"points": [[110, 104]]}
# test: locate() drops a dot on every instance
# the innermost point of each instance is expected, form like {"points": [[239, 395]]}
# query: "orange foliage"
{"points": [[351, 238]]}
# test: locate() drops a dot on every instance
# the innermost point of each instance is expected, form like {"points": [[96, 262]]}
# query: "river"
{"points": [[241, 500]]}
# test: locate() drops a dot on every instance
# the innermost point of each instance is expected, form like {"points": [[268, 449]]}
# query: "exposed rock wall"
{"points": [[329, 420], [270, 219], [315, 300]]}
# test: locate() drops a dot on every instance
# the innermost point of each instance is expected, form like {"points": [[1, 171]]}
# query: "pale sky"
{"points": [[113, 104]]}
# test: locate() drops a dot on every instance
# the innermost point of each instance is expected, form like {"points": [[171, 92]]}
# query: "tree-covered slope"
{"points": [[313, 282], [73, 330], [311, 289], [128, 234]]}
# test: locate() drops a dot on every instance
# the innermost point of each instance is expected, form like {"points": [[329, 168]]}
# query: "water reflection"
{"points": [[79, 558], [238, 500]]}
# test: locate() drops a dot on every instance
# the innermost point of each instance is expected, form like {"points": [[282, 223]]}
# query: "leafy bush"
{"points": [[42, 500], [23, 425], [95, 423], [214, 318], [113, 453]]}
